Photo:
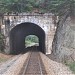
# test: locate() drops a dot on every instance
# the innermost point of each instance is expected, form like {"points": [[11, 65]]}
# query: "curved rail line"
{"points": [[33, 65]]}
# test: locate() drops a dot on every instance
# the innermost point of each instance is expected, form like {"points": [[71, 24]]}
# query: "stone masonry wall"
{"points": [[45, 21]]}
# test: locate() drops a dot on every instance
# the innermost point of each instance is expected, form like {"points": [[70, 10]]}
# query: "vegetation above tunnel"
{"points": [[42, 6]]}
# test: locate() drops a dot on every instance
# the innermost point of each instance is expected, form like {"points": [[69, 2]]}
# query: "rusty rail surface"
{"points": [[33, 65]]}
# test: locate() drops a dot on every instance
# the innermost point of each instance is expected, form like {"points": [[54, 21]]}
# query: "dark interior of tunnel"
{"points": [[18, 34]]}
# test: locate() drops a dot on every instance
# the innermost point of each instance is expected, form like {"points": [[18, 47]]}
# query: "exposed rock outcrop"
{"points": [[64, 40]]}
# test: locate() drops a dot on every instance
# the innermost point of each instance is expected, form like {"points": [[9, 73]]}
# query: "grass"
{"points": [[4, 57], [3, 60], [71, 65]]}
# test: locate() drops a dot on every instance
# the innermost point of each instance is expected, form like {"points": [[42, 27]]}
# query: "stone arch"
{"points": [[20, 31]]}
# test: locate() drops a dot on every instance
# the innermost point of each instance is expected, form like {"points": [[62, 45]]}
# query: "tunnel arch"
{"points": [[19, 32]]}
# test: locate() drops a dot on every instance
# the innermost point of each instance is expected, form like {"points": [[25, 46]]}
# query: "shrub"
{"points": [[2, 44], [72, 66]]}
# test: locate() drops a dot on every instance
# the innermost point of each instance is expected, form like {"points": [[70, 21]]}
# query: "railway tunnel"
{"points": [[18, 34]]}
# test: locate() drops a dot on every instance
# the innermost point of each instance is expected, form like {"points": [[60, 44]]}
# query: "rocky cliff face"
{"points": [[64, 40]]}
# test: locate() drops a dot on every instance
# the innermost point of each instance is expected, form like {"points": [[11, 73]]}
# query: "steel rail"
{"points": [[26, 65], [28, 61]]}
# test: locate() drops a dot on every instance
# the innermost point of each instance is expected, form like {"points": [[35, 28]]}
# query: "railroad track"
{"points": [[33, 65]]}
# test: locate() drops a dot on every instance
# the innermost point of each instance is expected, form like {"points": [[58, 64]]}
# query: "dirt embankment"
{"points": [[4, 57]]}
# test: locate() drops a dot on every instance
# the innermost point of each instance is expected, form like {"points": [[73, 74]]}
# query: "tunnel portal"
{"points": [[18, 34]]}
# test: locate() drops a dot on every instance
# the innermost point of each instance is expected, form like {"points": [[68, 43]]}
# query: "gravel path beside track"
{"points": [[55, 68], [48, 67], [14, 66]]}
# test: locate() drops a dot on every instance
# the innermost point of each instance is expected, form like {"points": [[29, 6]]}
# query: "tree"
{"points": [[58, 7], [72, 9], [2, 44]]}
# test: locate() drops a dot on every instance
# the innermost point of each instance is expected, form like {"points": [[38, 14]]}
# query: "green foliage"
{"points": [[2, 59], [2, 45], [32, 38], [71, 65], [55, 6]]}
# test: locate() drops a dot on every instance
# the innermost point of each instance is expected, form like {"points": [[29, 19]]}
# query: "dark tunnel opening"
{"points": [[18, 34]]}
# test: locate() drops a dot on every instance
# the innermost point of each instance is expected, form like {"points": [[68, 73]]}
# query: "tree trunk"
{"points": [[72, 11], [0, 24], [1, 19]]}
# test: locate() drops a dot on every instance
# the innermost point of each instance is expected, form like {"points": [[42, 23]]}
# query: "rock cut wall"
{"points": [[64, 41]]}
